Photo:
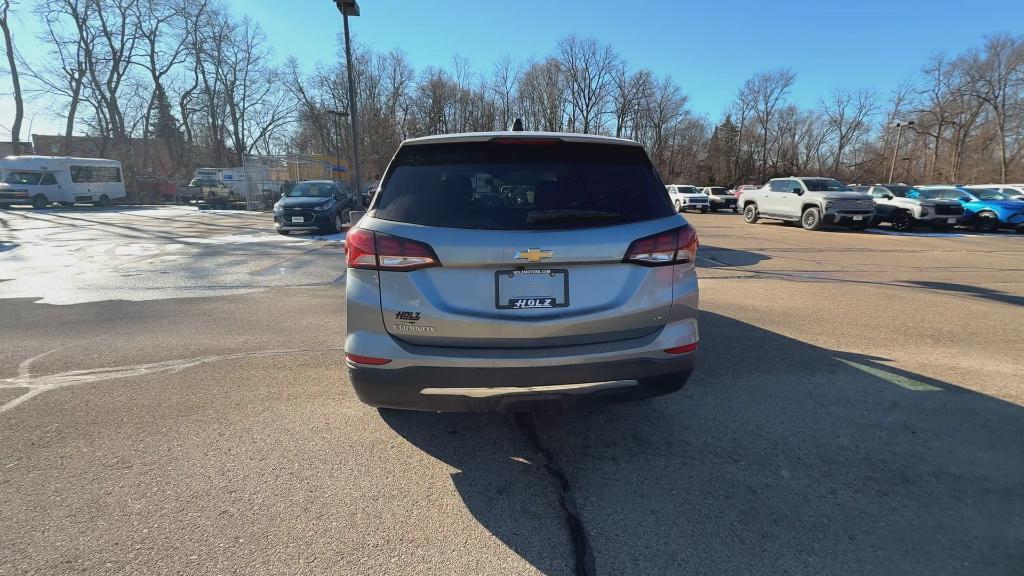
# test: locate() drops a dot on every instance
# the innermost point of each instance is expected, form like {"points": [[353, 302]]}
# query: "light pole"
{"points": [[351, 8], [339, 114], [899, 136]]}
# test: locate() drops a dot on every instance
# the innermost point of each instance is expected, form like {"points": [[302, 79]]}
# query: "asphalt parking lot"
{"points": [[173, 400]]}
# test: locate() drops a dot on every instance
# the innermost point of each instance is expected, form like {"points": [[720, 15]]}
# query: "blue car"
{"points": [[984, 209]]}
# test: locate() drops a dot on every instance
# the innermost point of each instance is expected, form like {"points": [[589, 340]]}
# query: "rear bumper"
{"points": [[460, 380], [516, 389]]}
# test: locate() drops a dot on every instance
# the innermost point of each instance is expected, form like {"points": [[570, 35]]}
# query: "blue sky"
{"points": [[708, 47]]}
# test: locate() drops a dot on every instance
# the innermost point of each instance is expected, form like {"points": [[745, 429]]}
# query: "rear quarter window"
{"points": [[521, 186]]}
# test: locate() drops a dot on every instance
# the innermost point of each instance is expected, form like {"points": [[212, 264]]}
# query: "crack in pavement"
{"points": [[585, 565], [40, 384]]}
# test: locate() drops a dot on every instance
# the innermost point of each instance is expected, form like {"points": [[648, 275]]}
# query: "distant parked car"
{"points": [[896, 204], [721, 198], [984, 209], [739, 190], [811, 201], [368, 191], [313, 206], [1014, 191], [213, 192], [154, 188], [685, 197]]}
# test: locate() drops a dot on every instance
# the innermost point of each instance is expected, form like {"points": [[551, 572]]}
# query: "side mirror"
{"points": [[798, 191], [887, 196], [964, 199]]}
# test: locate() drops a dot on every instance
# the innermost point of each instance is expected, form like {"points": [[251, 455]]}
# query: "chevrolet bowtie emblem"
{"points": [[533, 254]]}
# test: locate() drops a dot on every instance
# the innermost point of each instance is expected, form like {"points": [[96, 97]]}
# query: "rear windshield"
{"points": [[521, 186]]}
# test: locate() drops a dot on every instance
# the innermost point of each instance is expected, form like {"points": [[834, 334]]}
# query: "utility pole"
{"points": [[899, 137], [338, 114], [351, 8]]}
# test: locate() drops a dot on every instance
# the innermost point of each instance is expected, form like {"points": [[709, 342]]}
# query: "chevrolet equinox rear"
{"points": [[497, 271]]}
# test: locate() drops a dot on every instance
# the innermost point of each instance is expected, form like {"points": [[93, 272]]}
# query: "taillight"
{"points": [[376, 251], [676, 246], [369, 360], [684, 349]]}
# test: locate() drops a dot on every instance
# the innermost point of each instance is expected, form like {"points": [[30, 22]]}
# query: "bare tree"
{"points": [[541, 96], [632, 93], [69, 32], [996, 77], [767, 90], [846, 117], [12, 63], [589, 70], [504, 85]]}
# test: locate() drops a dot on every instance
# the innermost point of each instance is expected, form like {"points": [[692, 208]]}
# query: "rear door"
{"points": [[772, 196], [531, 236]]}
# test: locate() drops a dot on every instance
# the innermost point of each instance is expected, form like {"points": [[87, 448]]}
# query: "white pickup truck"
{"points": [[811, 201]]}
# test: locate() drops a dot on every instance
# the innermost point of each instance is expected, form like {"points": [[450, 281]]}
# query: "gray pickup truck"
{"points": [[213, 192], [811, 201]]}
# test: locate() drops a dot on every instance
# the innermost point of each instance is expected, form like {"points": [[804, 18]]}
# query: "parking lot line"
{"points": [[901, 381]]}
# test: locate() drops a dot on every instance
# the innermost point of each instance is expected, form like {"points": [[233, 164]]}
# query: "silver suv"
{"points": [[498, 270], [896, 204], [812, 201]]}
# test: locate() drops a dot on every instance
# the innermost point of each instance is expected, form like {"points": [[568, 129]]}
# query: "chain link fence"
{"points": [[266, 178]]}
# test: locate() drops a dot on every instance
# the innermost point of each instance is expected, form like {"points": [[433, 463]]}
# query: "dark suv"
{"points": [[313, 206]]}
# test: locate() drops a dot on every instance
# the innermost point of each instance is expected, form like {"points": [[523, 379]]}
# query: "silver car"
{"points": [[497, 271]]}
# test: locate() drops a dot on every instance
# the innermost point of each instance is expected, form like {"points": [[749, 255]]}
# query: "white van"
{"points": [[43, 180]]}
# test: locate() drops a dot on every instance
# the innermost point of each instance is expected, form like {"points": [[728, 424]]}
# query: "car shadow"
{"points": [[968, 290], [709, 256], [779, 457]]}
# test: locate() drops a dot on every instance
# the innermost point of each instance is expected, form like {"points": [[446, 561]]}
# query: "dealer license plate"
{"points": [[298, 219], [531, 289], [858, 217]]}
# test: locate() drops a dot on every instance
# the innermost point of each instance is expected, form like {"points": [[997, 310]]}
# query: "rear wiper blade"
{"points": [[550, 215]]}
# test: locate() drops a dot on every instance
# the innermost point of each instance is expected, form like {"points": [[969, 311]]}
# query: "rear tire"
{"points": [[703, 209], [986, 222], [811, 219], [735, 210], [104, 201], [39, 202], [284, 232], [750, 215], [679, 207]]}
